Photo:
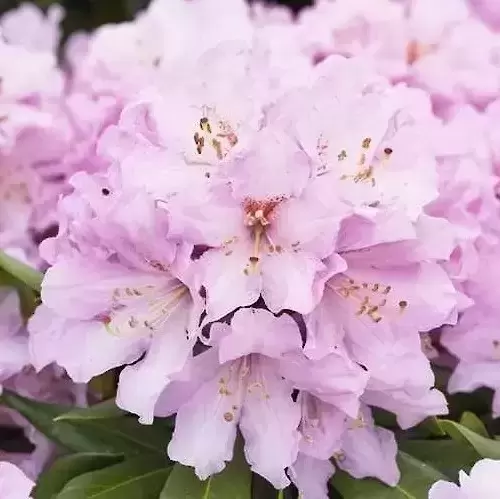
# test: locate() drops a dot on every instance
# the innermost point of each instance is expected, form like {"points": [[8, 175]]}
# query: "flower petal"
{"points": [[311, 476], [205, 427], [269, 423], [141, 384], [259, 331], [369, 451], [84, 348]]}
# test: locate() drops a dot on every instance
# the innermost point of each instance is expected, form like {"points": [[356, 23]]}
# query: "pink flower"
{"points": [[377, 305], [368, 451], [238, 384], [459, 72], [132, 297], [357, 28], [368, 154], [13, 483], [278, 226], [391, 35], [466, 192], [475, 341], [482, 481], [248, 379], [311, 476]]}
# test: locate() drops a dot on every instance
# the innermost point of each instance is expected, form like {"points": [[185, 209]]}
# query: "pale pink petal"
{"points": [[259, 331], [336, 379], [311, 476], [325, 332], [205, 427], [445, 490], [269, 423], [141, 384], [83, 289], [227, 284], [288, 281], [14, 484], [274, 168], [322, 427], [410, 406], [196, 372], [84, 348], [369, 451], [467, 377], [482, 480]]}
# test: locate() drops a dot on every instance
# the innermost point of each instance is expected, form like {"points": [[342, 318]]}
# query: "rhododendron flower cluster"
{"points": [[268, 226]]}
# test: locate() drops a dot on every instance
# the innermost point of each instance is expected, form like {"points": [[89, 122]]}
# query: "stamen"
{"points": [[220, 138], [131, 308], [372, 304], [342, 155], [254, 259]]}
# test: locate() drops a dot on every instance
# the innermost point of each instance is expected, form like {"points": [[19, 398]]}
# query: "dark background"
{"points": [[87, 14]]}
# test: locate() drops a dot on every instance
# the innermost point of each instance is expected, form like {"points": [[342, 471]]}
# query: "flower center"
{"points": [[416, 50], [236, 383], [258, 218], [215, 133], [311, 418], [142, 308], [372, 299], [364, 169]]}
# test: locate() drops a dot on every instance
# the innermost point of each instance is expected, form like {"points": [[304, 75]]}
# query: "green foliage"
{"points": [[485, 447], [68, 467], [111, 456], [234, 482], [20, 271], [117, 435], [142, 477], [24, 279]]}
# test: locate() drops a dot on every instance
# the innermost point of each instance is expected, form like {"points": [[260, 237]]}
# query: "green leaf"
{"points": [[184, 484], [485, 447], [431, 427], [52, 481], [261, 488], [142, 477], [24, 273], [109, 436], [416, 479], [232, 483], [101, 410], [471, 421], [447, 456]]}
